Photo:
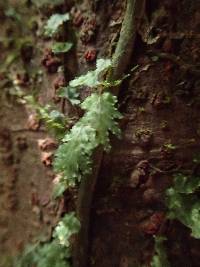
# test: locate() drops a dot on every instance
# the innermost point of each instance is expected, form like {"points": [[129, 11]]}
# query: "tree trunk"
{"points": [[160, 138]]}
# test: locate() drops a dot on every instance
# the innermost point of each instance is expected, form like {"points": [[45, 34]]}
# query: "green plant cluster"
{"points": [[56, 253], [52, 26], [44, 255], [183, 202], [54, 22], [73, 159]]}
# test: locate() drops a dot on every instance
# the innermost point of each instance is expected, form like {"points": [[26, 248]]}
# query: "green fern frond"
{"points": [[101, 114], [92, 78], [184, 204], [45, 255], [54, 22], [73, 157]]}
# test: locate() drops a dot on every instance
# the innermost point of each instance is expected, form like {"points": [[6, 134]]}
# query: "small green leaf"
{"points": [[185, 184], [68, 226], [92, 78], [54, 22], [102, 115], [12, 57], [61, 47], [70, 93], [103, 64], [59, 189], [56, 115]]}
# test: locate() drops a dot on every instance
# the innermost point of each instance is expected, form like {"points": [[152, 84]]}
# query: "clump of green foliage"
{"points": [[56, 253], [73, 158], [61, 47], [93, 78], [52, 27], [160, 257], [54, 22], [44, 255], [183, 202]]}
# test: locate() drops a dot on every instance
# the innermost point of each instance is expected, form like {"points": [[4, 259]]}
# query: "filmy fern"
{"points": [[54, 22], [184, 203], [45, 255], [73, 157], [56, 253], [93, 78], [61, 47]]}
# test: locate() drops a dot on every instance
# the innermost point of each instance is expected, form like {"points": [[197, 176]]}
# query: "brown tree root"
{"points": [[121, 59]]}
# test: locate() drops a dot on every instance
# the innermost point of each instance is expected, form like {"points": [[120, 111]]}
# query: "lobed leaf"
{"points": [[184, 204], [92, 78], [73, 158], [45, 255], [70, 93], [185, 184], [61, 47], [68, 226], [54, 22], [101, 113]]}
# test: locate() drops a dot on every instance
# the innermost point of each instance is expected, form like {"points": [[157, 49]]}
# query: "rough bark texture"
{"points": [[158, 110]]}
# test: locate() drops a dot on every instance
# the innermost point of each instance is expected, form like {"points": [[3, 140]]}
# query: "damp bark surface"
{"points": [[159, 109]]}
